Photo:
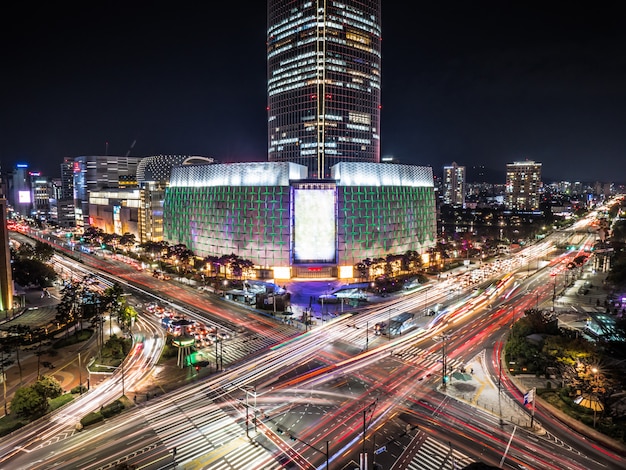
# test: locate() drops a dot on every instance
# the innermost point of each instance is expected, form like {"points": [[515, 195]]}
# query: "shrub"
{"points": [[112, 409], [91, 418]]}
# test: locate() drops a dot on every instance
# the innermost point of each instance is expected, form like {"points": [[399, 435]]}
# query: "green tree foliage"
{"points": [[28, 271], [48, 387], [25, 251], [18, 336], [116, 349], [43, 251], [524, 351], [618, 231], [618, 271], [68, 307], [32, 401], [155, 249], [128, 240], [93, 235], [111, 239], [28, 403]]}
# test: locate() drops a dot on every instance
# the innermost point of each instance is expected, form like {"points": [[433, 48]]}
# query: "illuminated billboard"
{"points": [[23, 197], [314, 225]]}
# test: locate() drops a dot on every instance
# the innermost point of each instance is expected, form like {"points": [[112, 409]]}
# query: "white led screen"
{"points": [[314, 234], [23, 197]]}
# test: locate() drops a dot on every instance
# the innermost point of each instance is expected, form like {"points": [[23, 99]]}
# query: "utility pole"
{"points": [[80, 376], [444, 359], [370, 409]]}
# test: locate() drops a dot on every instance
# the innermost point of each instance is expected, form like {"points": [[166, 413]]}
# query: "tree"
{"points": [[112, 239], [25, 251], [74, 296], [28, 403], [128, 240], [181, 253], [93, 235], [27, 271], [18, 335], [214, 263], [32, 401], [48, 387], [412, 261], [43, 251]]}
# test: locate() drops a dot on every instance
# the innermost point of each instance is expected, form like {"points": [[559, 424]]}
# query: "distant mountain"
{"points": [[481, 174]]}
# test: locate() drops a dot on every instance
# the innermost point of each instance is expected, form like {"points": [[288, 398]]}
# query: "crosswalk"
{"points": [[435, 455], [243, 345], [201, 435], [426, 359]]}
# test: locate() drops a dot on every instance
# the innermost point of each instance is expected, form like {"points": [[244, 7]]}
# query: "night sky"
{"points": [[479, 83]]}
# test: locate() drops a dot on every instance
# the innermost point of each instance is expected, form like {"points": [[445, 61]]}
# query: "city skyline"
{"points": [[482, 84]]}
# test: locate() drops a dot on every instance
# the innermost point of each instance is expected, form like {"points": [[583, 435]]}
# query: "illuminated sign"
{"points": [[315, 225], [23, 197]]}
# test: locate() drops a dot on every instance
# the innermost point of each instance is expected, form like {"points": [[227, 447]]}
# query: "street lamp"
{"points": [[444, 360], [594, 402], [370, 409]]}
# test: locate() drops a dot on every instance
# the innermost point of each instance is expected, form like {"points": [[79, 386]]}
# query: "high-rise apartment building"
{"points": [[523, 182], [323, 65], [453, 185]]}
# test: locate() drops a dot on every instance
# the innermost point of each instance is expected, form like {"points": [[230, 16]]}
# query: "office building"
{"points": [[41, 195], [523, 183], [100, 172], [323, 65], [453, 185], [19, 192], [62, 211]]}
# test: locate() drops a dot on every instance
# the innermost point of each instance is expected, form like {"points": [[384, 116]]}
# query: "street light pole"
{"points": [[370, 409], [594, 402], [80, 376]]}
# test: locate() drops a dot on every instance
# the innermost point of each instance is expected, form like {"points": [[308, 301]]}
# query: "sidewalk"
{"points": [[479, 390]]}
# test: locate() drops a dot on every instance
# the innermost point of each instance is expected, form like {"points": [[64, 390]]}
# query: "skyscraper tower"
{"points": [[323, 66], [454, 185]]}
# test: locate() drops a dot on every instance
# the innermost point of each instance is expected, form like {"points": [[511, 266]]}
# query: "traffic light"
{"points": [[446, 379], [197, 368]]}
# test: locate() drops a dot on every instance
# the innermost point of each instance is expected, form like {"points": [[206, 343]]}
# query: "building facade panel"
{"points": [[250, 221]]}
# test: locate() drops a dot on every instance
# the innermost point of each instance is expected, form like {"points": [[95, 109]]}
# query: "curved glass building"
{"points": [[323, 65]]}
